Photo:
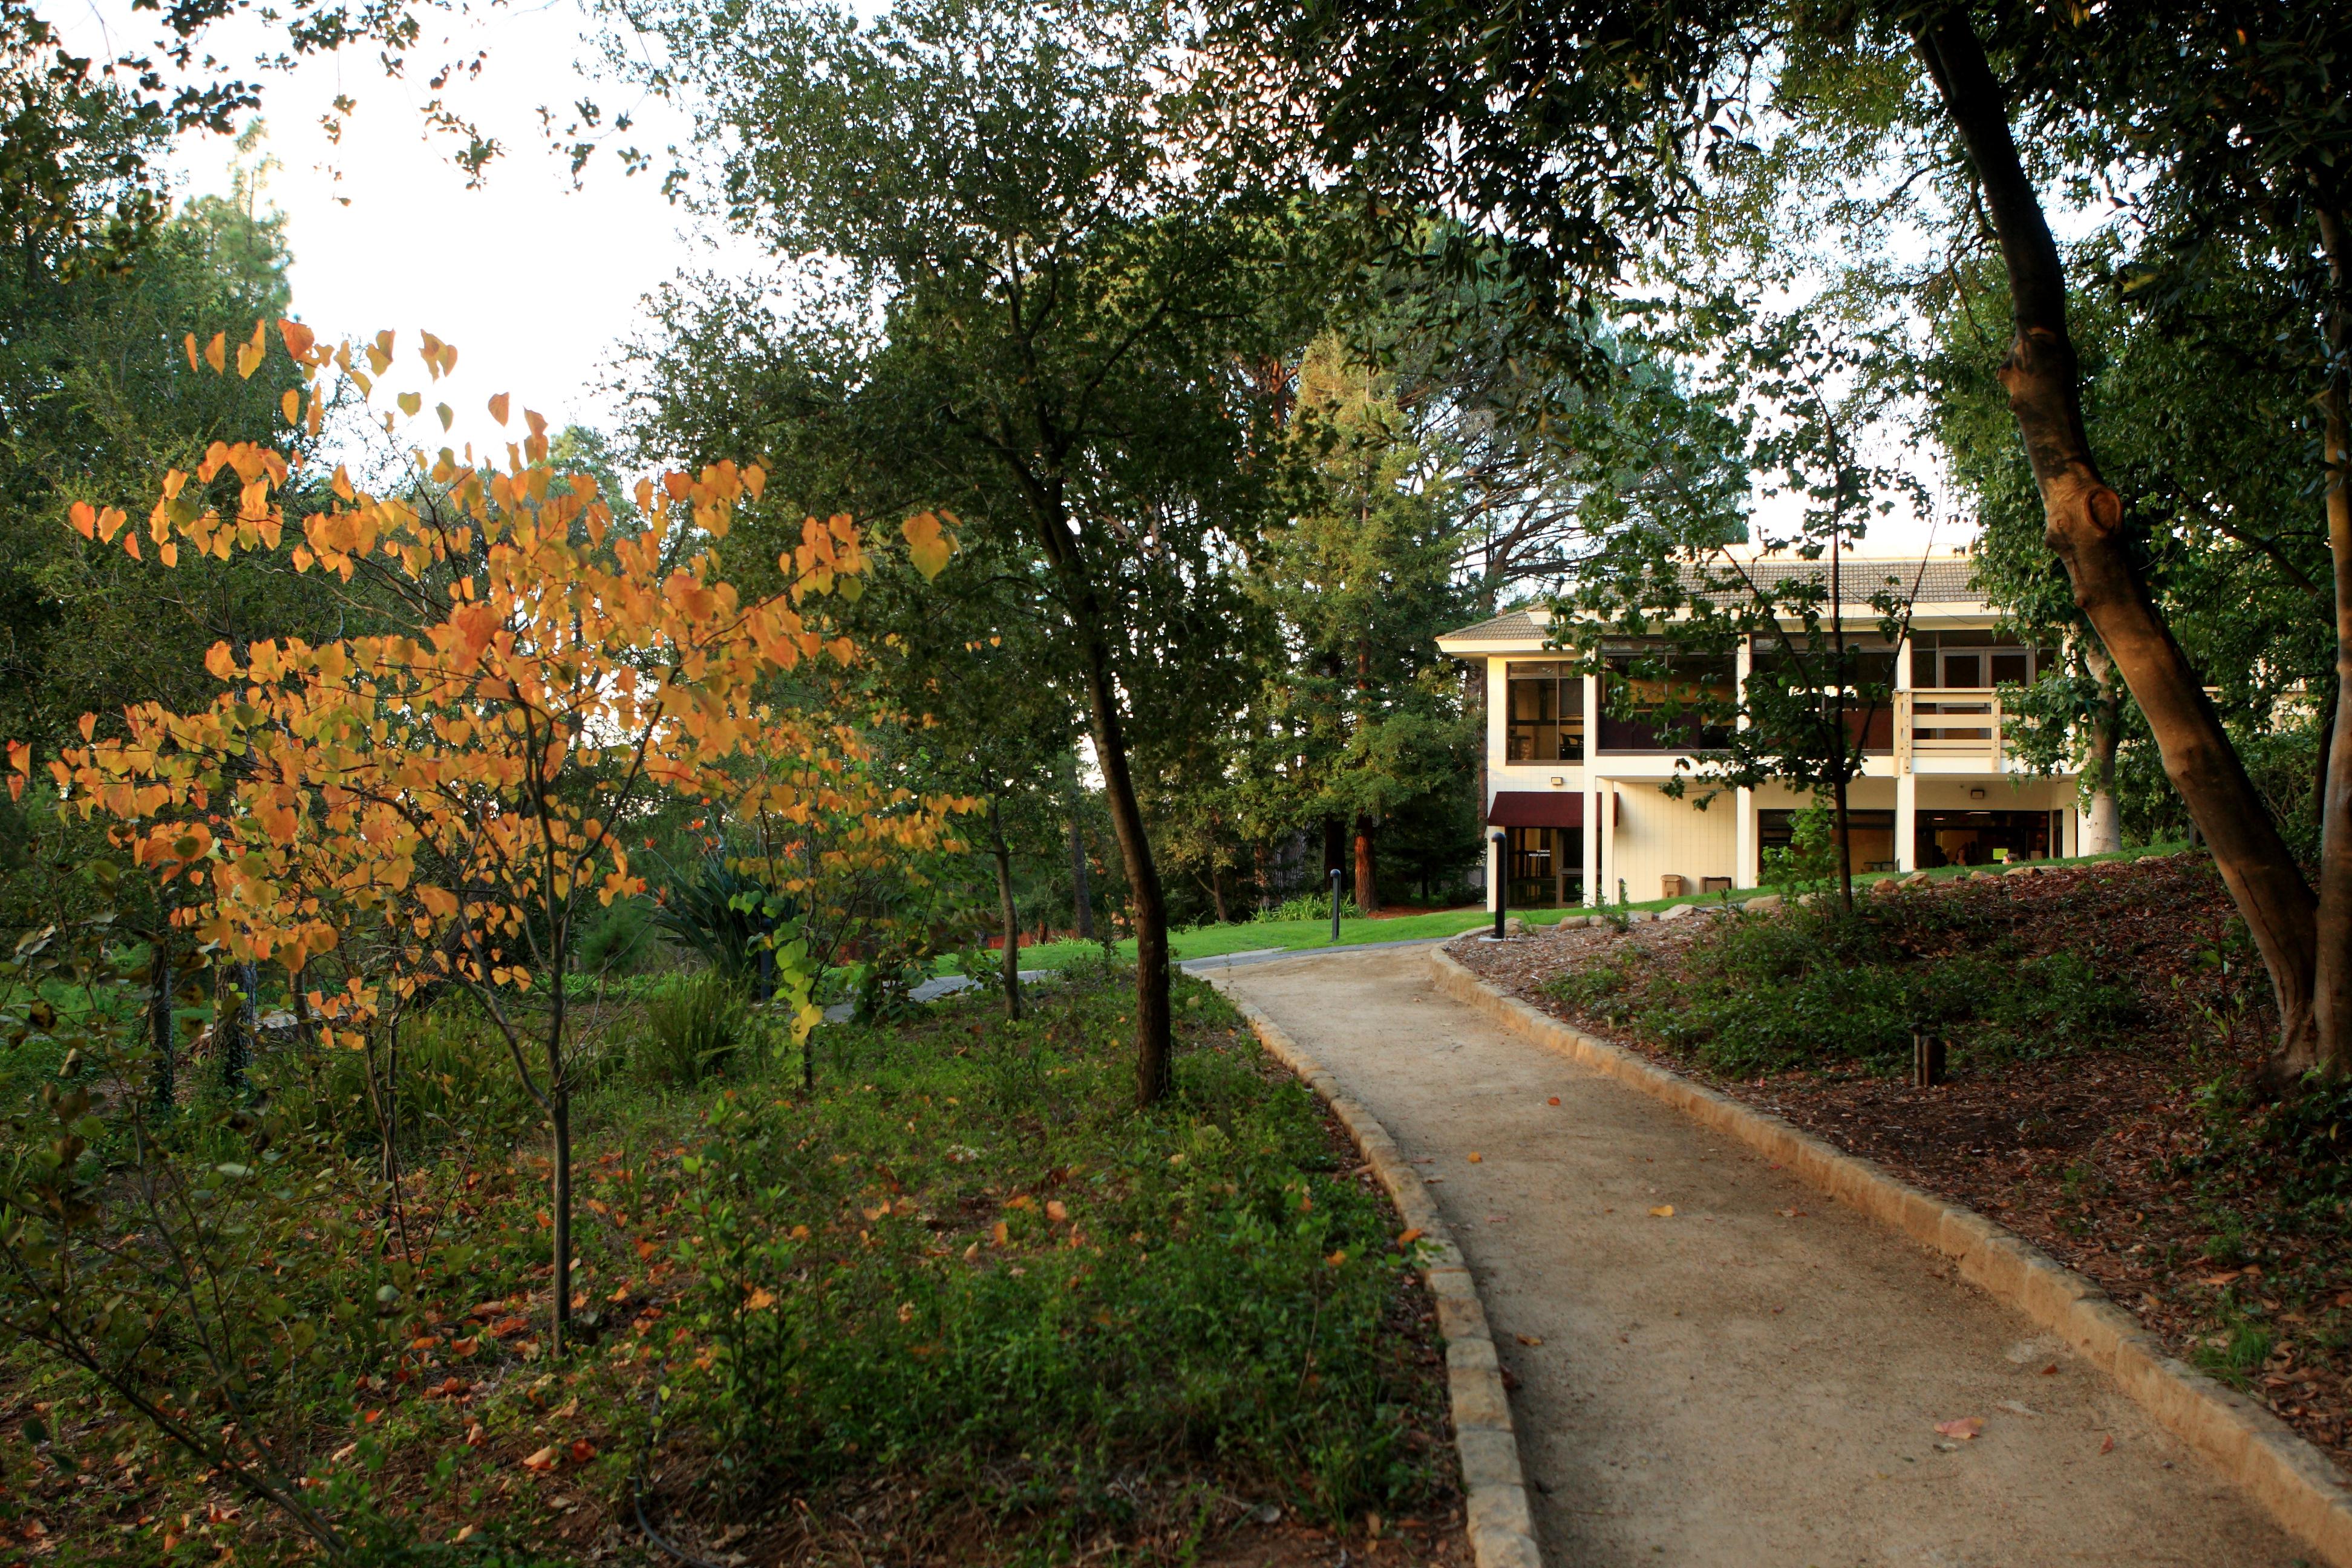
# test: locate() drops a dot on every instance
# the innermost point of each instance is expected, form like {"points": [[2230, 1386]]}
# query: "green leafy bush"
{"points": [[694, 1024], [1307, 907]]}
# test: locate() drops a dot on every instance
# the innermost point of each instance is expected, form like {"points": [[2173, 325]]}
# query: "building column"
{"points": [[1593, 799], [1906, 821], [1907, 782], [1745, 872], [1608, 800]]}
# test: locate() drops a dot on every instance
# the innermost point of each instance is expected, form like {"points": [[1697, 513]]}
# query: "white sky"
{"points": [[534, 281]]}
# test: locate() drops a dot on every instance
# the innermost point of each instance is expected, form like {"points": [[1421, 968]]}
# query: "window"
{"points": [[1688, 678], [1973, 661], [1870, 836], [1544, 716]]}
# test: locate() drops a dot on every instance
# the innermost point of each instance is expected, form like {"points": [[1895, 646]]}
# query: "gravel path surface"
{"points": [[1757, 1378]]}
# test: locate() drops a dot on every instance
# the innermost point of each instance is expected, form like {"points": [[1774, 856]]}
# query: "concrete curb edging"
{"points": [[1501, 1529], [2299, 1484]]}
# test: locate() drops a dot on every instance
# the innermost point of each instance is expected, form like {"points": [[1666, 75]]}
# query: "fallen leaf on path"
{"points": [[1476, 1158], [583, 1450], [1553, 1101], [2050, 1371], [1530, 1339], [2014, 1408], [1791, 1213], [542, 1460], [2107, 1444], [1410, 1236], [1962, 1430], [1663, 1211]]}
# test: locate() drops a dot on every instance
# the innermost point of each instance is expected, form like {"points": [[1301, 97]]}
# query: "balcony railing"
{"points": [[1957, 724]]}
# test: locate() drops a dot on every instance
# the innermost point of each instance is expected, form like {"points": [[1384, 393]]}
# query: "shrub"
{"points": [[620, 943], [1307, 907], [693, 1025]]}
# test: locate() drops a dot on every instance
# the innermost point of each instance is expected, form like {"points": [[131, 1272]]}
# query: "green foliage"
{"points": [[714, 909], [1801, 987], [1809, 860], [1199, 1282], [694, 1024], [1308, 907], [620, 940]]}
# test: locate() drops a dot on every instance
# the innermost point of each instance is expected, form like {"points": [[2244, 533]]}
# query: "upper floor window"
{"points": [[1543, 712], [1974, 661], [1697, 686]]}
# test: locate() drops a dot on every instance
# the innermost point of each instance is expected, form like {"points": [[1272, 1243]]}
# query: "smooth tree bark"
{"points": [[1002, 853], [2103, 827], [2083, 519], [2332, 985]]}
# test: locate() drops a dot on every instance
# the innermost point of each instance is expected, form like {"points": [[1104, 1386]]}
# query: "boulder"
{"points": [[1677, 912], [1768, 901]]}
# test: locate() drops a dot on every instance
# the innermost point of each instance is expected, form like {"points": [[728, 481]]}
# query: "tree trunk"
{"points": [[1002, 855], [1217, 889], [560, 1093], [1147, 900], [2085, 519], [2332, 1001], [1368, 892], [1842, 839], [159, 981], [2103, 827], [1261, 866], [1082, 898]]}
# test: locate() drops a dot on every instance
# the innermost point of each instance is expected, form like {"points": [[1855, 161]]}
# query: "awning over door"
{"points": [[1536, 808]]}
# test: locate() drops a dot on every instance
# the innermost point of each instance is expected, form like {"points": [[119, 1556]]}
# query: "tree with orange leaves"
{"points": [[458, 786]]}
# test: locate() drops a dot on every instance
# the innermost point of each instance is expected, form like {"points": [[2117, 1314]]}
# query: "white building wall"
{"points": [[1654, 834]]}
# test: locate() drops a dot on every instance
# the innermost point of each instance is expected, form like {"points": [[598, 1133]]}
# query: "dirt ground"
{"points": [[1714, 1365]]}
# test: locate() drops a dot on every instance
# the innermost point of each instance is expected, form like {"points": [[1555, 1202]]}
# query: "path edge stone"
{"points": [[2261, 1455], [1498, 1520]]}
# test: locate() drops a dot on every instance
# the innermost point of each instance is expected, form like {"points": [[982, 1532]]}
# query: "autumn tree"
{"points": [[462, 782]]}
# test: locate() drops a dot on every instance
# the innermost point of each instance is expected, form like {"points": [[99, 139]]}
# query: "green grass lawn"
{"points": [[1301, 936]]}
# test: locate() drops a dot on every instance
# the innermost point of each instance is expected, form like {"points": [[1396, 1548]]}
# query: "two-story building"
{"points": [[1576, 793]]}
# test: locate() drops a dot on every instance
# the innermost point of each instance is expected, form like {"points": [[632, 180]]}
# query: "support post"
{"points": [[1334, 903], [1502, 881]]}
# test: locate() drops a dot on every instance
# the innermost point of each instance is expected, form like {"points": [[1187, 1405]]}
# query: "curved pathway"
{"points": [[1756, 1379]]}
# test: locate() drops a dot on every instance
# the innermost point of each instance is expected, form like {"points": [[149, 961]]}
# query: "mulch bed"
{"points": [[2077, 1151]]}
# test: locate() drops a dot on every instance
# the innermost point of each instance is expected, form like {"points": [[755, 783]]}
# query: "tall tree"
{"points": [[1051, 290], [1363, 583]]}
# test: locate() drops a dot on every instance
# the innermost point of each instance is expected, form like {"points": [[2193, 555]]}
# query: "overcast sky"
{"points": [[535, 280]]}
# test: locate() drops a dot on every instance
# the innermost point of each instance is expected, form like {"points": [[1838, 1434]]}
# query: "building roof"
{"points": [[1941, 579], [1511, 626]]}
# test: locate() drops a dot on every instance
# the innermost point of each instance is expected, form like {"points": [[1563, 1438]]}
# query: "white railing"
{"points": [[1949, 724]]}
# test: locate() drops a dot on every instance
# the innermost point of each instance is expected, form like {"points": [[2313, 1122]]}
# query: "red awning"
{"points": [[1536, 808]]}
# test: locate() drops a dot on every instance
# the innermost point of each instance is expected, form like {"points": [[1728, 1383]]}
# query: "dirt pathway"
{"points": [[1756, 1380]]}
